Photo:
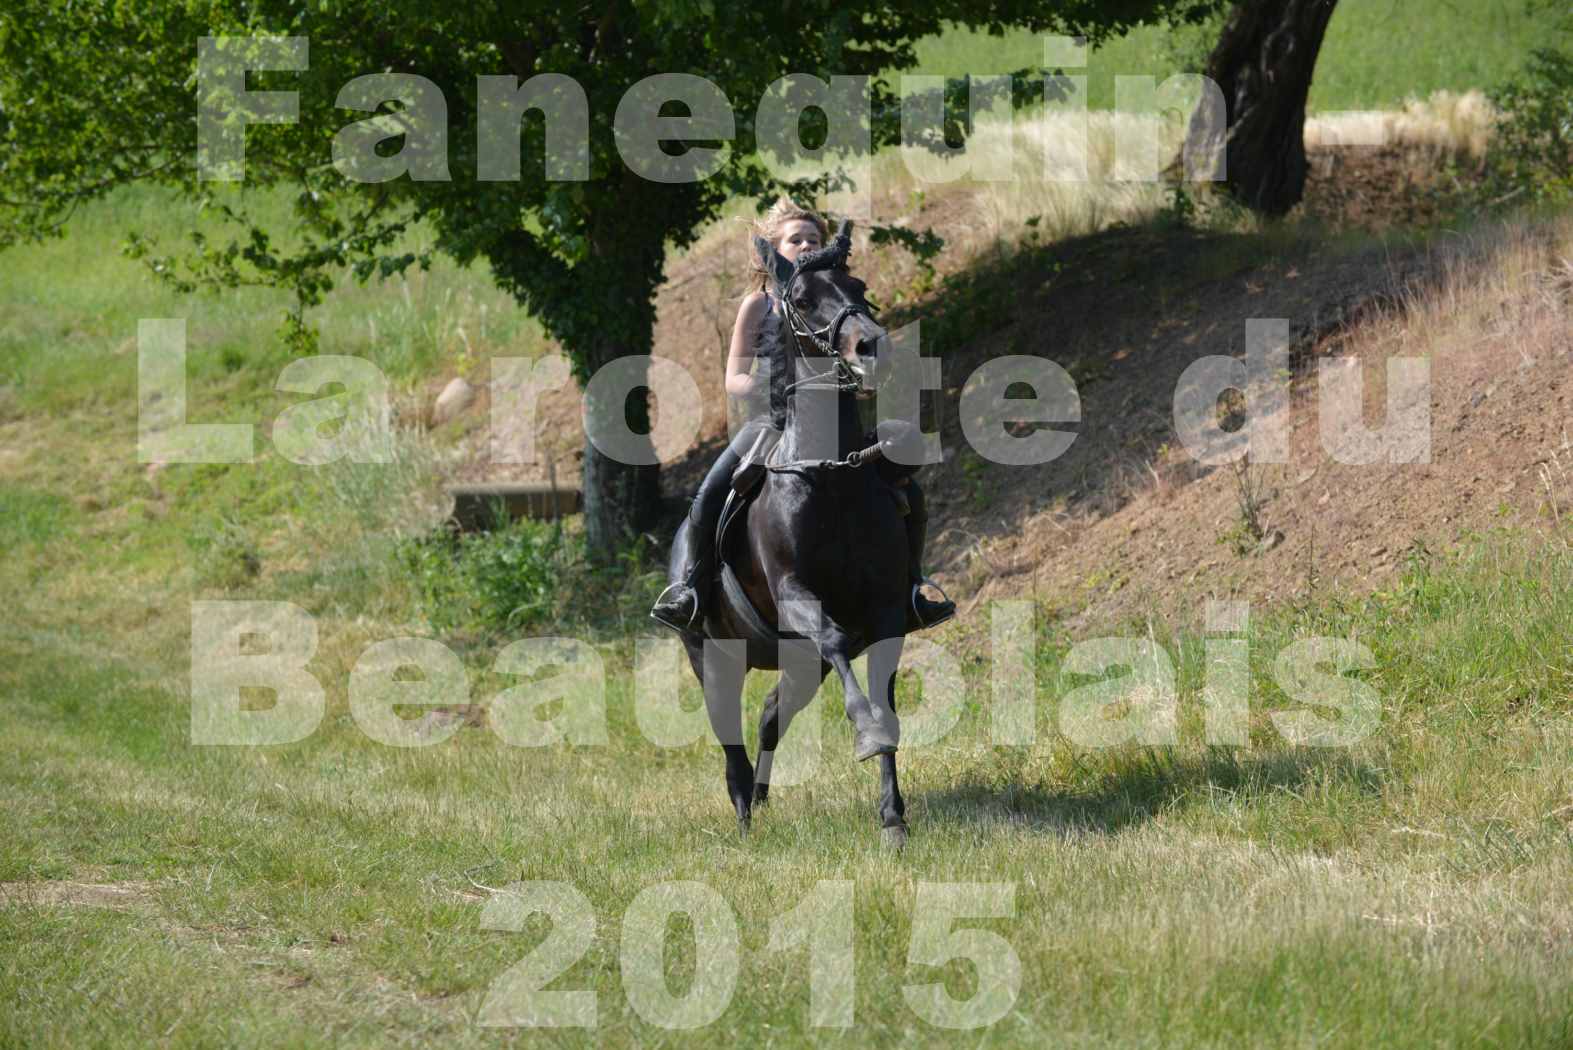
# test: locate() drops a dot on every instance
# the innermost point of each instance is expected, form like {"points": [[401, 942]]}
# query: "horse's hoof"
{"points": [[865, 746], [742, 827], [761, 800], [895, 837]]}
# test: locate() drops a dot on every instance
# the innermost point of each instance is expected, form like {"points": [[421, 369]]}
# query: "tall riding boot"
{"points": [[921, 612], [680, 606]]}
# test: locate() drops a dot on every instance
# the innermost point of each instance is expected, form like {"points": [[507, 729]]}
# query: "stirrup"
{"points": [[685, 629], [918, 616]]}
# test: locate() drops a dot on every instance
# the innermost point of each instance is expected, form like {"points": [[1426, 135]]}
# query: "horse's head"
{"points": [[827, 311]]}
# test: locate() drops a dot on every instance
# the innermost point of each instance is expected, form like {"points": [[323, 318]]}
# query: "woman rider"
{"points": [[793, 231]]}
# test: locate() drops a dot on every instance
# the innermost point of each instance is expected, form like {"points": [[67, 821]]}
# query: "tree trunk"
{"points": [[1263, 64], [619, 502], [620, 499]]}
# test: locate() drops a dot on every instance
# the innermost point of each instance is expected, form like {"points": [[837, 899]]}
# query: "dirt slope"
{"points": [[1123, 529], [1126, 523]]}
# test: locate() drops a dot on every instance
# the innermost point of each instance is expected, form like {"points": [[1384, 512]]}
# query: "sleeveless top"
{"points": [[767, 347]]}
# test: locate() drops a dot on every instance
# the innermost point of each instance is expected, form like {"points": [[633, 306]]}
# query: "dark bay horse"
{"points": [[820, 552]]}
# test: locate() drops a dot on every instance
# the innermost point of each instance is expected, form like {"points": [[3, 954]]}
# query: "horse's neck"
{"points": [[804, 437]]}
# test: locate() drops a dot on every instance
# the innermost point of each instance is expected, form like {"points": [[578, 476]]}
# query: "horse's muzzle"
{"points": [[868, 372]]}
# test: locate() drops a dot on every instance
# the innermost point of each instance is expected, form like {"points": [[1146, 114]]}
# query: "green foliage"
{"points": [[584, 256], [925, 248], [495, 581], [524, 574], [974, 471], [1245, 535], [576, 253], [1180, 213], [1186, 48], [1532, 153]]}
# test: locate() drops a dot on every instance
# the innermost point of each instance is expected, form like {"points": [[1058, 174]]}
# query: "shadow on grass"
{"points": [[1105, 795]]}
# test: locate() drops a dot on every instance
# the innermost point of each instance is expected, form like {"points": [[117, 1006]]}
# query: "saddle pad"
{"points": [[751, 471], [776, 456]]}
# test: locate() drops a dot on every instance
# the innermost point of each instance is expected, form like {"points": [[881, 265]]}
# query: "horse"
{"points": [[820, 554]]}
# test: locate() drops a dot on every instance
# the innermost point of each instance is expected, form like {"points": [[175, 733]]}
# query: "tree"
{"points": [[1263, 64], [97, 94]]}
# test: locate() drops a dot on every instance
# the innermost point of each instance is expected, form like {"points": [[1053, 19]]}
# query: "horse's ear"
{"points": [[843, 242], [772, 261]]}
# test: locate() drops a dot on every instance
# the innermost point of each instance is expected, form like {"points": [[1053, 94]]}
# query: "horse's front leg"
{"points": [[883, 659], [724, 664], [801, 672], [874, 727]]}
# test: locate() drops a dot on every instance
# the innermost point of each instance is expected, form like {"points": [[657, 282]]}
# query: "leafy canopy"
{"points": [[96, 94]]}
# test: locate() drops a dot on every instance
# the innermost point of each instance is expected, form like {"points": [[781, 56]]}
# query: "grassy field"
{"points": [[1414, 888], [1377, 52]]}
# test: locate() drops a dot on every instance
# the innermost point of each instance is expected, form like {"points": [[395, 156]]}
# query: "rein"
{"points": [[871, 454]]}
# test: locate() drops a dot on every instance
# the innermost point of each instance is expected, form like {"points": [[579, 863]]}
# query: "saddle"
{"points": [[746, 479]]}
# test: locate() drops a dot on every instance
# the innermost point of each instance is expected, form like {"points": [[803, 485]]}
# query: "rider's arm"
{"points": [[740, 358]]}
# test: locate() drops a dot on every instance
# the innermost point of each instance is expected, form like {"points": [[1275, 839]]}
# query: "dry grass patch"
{"points": [[129, 895]]}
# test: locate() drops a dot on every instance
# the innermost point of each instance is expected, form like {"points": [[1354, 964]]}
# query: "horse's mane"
{"points": [[831, 256], [780, 369]]}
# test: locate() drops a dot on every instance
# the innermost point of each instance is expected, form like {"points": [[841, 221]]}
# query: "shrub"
{"points": [[527, 573], [491, 580], [1533, 152]]}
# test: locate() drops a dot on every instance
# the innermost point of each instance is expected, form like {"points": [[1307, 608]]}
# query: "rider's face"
{"points": [[797, 237]]}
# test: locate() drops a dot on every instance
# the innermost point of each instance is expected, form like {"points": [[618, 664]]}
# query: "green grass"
{"points": [[29, 518], [1413, 890], [1377, 52], [69, 319]]}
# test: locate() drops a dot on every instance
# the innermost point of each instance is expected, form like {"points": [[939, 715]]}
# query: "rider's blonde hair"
{"points": [[783, 211]]}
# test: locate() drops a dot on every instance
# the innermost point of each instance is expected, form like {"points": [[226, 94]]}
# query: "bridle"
{"points": [[824, 339]]}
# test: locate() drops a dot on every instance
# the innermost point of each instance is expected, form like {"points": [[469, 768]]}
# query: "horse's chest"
{"points": [[861, 544]]}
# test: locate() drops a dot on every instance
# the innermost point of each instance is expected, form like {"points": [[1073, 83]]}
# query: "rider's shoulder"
{"points": [[753, 308]]}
